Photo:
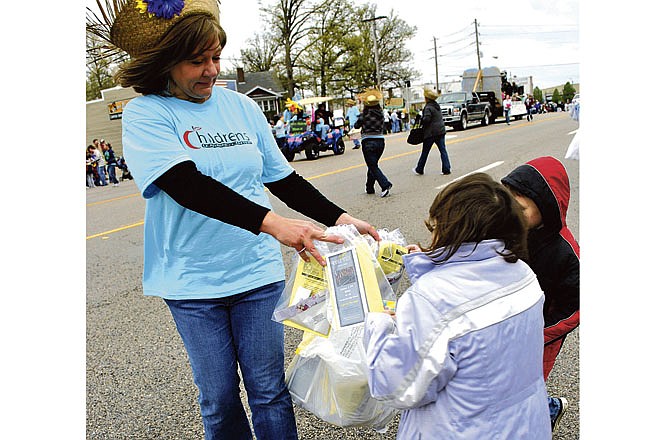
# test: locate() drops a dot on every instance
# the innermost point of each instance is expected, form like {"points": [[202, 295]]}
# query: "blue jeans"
{"points": [[507, 116], [101, 173], [444, 156], [220, 334], [373, 148], [554, 407], [111, 170]]}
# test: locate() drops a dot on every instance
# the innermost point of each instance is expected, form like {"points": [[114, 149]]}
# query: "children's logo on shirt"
{"points": [[196, 139]]}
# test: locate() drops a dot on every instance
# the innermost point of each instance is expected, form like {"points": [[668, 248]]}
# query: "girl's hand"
{"points": [[411, 248]]}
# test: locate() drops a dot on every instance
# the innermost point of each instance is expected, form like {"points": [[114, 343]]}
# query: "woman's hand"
{"points": [[362, 226], [298, 234]]}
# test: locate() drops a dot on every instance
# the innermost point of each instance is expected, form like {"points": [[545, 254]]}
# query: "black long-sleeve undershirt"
{"points": [[204, 195]]}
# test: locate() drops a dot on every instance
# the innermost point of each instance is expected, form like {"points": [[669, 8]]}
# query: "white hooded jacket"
{"points": [[464, 356]]}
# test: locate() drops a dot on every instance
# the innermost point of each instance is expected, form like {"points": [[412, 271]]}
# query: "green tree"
{"points": [[358, 68], [568, 92], [537, 94], [556, 96], [322, 57]]}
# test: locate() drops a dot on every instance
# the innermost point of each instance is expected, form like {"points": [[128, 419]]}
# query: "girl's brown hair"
{"points": [[473, 209], [148, 73]]}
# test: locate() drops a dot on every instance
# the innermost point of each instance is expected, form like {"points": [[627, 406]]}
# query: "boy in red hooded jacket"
{"points": [[542, 188]]}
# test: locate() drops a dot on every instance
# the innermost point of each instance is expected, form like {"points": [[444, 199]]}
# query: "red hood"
{"points": [[546, 182]]}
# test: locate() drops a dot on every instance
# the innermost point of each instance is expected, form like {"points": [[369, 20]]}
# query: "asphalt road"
{"points": [[138, 380]]}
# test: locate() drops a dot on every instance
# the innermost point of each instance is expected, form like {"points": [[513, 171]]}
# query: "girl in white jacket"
{"points": [[463, 355]]}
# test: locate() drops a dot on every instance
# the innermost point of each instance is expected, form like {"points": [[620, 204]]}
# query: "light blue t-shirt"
{"points": [[188, 255]]}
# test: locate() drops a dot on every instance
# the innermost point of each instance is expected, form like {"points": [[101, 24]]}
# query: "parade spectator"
{"points": [[202, 157], [353, 112], [507, 107], [395, 123], [542, 188], [529, 108], [433, 133], [463, 357], [110, 158], [99, 160], [387, 122], [371, 123], [90, 167]]}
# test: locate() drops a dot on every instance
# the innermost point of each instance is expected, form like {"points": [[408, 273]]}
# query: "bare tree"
{"points": [[261, 54], [291, 20]]}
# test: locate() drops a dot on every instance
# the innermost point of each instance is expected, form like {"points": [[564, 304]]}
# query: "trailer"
{"points": [[491, 83]]}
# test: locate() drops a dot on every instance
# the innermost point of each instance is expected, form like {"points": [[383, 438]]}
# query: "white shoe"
{"points": [[386, 191]]}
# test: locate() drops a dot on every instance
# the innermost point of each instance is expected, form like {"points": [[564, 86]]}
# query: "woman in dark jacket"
{"points": [[371, 123], [433, 133]]}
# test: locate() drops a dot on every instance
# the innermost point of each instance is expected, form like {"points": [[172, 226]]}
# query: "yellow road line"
{"points": [[122, 228], [113, 200]]}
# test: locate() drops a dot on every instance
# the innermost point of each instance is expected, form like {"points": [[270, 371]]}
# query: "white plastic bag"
{"points": [[328, 378]]}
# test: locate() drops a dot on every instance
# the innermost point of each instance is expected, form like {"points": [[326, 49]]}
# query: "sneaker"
{"points": [[562, 403], [386, 192], [369, 191], [416, 172], [447, 173]]}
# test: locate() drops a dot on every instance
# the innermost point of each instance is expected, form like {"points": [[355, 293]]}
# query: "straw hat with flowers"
{"points": [[134, 26]]}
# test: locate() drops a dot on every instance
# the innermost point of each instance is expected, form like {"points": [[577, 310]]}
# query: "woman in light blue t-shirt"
{"points": [[202, 157]]}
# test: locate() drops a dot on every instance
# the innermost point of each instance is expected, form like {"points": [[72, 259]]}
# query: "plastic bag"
{"points": [[309, 300], [328, 378], [389, 252], [328, 375]]}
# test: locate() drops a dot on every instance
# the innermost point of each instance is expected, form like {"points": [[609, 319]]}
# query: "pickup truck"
{"points": [[461, 108]]}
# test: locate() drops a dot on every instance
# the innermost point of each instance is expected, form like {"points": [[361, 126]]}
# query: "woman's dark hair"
{"points": [[473, 209], [148, 73]]}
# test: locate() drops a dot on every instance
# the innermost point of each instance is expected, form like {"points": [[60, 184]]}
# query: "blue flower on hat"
{"points": [[164, 8]]}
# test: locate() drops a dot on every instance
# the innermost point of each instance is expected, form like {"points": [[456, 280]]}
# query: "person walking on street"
{"points": [[110, 158], [353, 112], [202, 157], [542, 188], [371, 123], [433, 133]]}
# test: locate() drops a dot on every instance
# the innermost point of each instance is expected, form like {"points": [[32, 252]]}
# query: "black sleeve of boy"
{"points": [[204, 195], [301, 196]]}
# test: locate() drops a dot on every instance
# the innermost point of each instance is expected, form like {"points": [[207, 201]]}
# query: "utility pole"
{"points": [[437, 78], [479, 61], [376, 49]]}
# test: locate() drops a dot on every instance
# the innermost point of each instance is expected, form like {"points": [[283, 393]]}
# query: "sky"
{"points": [[538, 38]]}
